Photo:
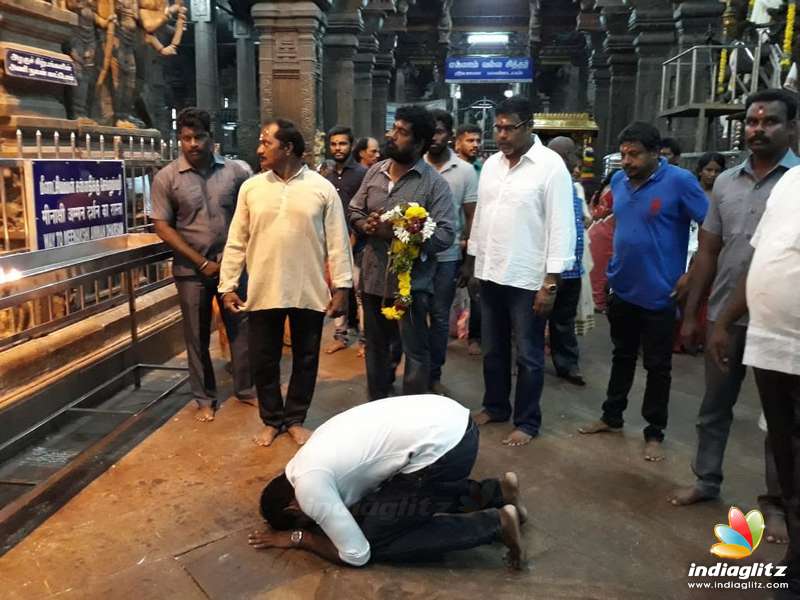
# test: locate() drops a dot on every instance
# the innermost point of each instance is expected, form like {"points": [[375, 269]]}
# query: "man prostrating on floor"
{"points": [[388, 481]]}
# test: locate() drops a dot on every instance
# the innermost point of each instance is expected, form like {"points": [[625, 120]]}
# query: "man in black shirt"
{"points": [[346, 177]]}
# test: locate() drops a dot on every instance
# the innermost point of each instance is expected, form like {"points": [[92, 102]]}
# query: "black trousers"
{"points": [[387, 340], [633, 326], [423, 515], [266, 347], [780, 398], [563, 341]]}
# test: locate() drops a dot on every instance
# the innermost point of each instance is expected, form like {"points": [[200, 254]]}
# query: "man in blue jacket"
{"points": [[654, 204]]}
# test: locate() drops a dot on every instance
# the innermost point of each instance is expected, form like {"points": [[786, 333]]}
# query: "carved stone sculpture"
{"points": [[104, 51]]}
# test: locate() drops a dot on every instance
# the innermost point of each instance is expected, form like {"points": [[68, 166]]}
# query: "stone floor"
{"points": [[170, 520]]}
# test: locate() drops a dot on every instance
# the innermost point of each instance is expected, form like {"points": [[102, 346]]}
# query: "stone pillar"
{"points": [[364, 66], [205, 62], [247, 129], [696, 21], [341, 47], [290, 35], [381, 79], [622, 66], [652, 24]]}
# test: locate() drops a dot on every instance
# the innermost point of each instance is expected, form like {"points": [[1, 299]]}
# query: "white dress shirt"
{"points": [[524, 224], [285, 232], [773, 335], [354, 452]]}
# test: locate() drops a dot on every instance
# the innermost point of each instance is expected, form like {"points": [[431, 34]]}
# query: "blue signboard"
{"points": [[488, 69], [39, 67], [77, 201]]}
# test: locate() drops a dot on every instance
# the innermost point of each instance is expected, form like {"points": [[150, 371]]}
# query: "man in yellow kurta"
{"points": [[289, 223]]}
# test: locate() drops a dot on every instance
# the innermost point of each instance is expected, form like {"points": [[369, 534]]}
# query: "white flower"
{"points": [[428, 228], [401, 234], [392, 215]]}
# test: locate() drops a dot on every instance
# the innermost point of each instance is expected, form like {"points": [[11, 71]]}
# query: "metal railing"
{"points": [[692, 77], [50, 298], [143, 158]]}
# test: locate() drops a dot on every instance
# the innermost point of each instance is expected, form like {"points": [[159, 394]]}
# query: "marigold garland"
{"points": [[788, 34], [411, 227]]}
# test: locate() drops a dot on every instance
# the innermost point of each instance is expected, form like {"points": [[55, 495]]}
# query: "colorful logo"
{"points": [[741, 536]]}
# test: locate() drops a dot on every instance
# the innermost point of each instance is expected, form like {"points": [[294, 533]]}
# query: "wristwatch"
{"points": [[551, 287], [296, 537]]}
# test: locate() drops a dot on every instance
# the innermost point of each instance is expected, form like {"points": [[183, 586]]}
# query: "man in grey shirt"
{"points": [[737, 203], [463, 181], [194, 198], [405, 177]]}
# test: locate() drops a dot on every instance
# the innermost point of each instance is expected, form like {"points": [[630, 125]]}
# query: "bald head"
{"points": [[565, 147]]}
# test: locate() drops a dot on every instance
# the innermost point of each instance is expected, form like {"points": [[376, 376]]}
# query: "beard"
{"points": [[393, 152]]}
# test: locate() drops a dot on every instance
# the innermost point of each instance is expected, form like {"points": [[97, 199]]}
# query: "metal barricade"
{"points": [[50, 289]]}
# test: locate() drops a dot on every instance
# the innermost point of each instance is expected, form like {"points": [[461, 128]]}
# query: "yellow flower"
{"points": [[414, 251], [416, 212], [397, 246], [391, 313], [404, 277]]}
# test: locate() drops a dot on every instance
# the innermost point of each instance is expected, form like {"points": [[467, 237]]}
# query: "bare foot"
{"points": [[511, 536], [517, 438], [689, 495], [509, 486], [299, 434], [482, 418], [598, 427], [335, 346], [266, 436], [204, 414], [776, 531], [653, 451], [474, 348]]}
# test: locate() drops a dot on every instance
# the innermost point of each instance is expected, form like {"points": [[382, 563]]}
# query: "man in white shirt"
{"points": [[523, 237], [772, 346], [289, 222], [387, 481], [463, 182]]}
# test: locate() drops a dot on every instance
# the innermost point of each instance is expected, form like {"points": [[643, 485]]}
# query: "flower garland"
{"points": [[788, 34], [411, 227]]}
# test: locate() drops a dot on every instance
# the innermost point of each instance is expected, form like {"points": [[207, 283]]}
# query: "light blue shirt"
{"points": [[463, 181]]}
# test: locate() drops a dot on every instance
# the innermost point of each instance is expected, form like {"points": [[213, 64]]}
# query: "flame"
{"points": [[10, 275]]}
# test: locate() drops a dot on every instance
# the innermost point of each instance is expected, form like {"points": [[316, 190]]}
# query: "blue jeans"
{"points": [[444, 290], [505, 309]]}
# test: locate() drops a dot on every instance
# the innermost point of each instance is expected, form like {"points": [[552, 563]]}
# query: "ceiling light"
{"points": [[487, 38]]}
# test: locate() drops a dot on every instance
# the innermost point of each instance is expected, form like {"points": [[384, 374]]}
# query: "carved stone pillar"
{"points": [[341, 47], [290, 52], [654, 28], [381, 79], [246, 93], [697, 20], [599, 76], [364, 66], [622, 66]]}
